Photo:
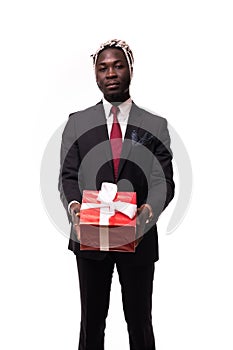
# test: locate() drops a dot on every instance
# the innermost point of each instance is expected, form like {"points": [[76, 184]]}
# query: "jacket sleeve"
{"points": [[161, 187], [68, 184]]}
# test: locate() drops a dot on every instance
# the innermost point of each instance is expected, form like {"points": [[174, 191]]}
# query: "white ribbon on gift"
{"points": [[108, 209]]}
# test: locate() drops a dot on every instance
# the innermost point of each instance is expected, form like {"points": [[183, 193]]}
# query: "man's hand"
{"points": [[143, 215], [75, 214]]}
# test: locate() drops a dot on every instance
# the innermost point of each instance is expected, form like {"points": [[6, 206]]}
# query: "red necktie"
{"points": [[116, 140]]}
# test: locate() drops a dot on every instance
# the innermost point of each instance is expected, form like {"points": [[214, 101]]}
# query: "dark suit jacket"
{"points": [[145, 167]]}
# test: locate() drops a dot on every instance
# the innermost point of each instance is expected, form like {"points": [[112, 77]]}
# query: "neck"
{"points": [[117, 98]]}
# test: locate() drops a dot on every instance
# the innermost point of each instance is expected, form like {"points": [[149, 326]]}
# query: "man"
{"points": [[140, 162]]}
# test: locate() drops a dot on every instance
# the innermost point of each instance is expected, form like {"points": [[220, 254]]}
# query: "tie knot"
{"points": [[114, 110]]}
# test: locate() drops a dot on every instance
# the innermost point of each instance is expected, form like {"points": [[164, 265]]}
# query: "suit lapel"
{"points": [[103, 136], [134, 122]]}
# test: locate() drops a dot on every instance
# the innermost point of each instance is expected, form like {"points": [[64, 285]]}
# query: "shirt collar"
{"points": [[124, 107]]}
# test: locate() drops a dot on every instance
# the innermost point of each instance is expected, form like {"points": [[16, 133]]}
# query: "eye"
{"points": [[103, 69], [119, 66]]}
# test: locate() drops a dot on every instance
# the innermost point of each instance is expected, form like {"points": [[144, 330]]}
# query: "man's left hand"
{"points": [[143, 215]]}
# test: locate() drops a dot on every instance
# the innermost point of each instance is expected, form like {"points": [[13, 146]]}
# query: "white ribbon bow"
{"points": [[107, 206]]}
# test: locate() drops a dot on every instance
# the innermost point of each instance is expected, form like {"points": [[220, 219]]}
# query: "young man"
{"points": [[116, 141]]}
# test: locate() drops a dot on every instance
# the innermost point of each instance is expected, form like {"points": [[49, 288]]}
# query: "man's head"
{"points": [[113, 63]]}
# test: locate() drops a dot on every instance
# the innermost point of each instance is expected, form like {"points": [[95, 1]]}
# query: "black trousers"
{"points": [[95, 279]]}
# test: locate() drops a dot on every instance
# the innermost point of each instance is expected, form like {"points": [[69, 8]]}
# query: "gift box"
{"points": [[108, 220]]}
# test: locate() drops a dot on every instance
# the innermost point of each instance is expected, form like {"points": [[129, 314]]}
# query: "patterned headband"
{"points": [[116, 43]]}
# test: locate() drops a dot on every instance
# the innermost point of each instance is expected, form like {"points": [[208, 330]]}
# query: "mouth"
{"points": [[112, 85]]}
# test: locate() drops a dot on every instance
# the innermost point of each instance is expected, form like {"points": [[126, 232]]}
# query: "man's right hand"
{"points": [[75, 215]]}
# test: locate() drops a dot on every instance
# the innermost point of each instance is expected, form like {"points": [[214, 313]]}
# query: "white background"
{"points": [[183, 71]]}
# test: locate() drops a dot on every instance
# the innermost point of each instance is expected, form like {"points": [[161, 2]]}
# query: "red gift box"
{"points": [[103, 227]]}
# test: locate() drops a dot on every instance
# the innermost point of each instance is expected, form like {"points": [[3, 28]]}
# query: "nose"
{"points": [[111, 72]]}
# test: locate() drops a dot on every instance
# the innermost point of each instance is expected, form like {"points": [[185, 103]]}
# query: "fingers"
{"points": [[75, 214], [77, 231], [76, 225], [141, 220], [142, 217]]}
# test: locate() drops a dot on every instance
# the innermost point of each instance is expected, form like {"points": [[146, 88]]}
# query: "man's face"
{"points": [[113, 75]]}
